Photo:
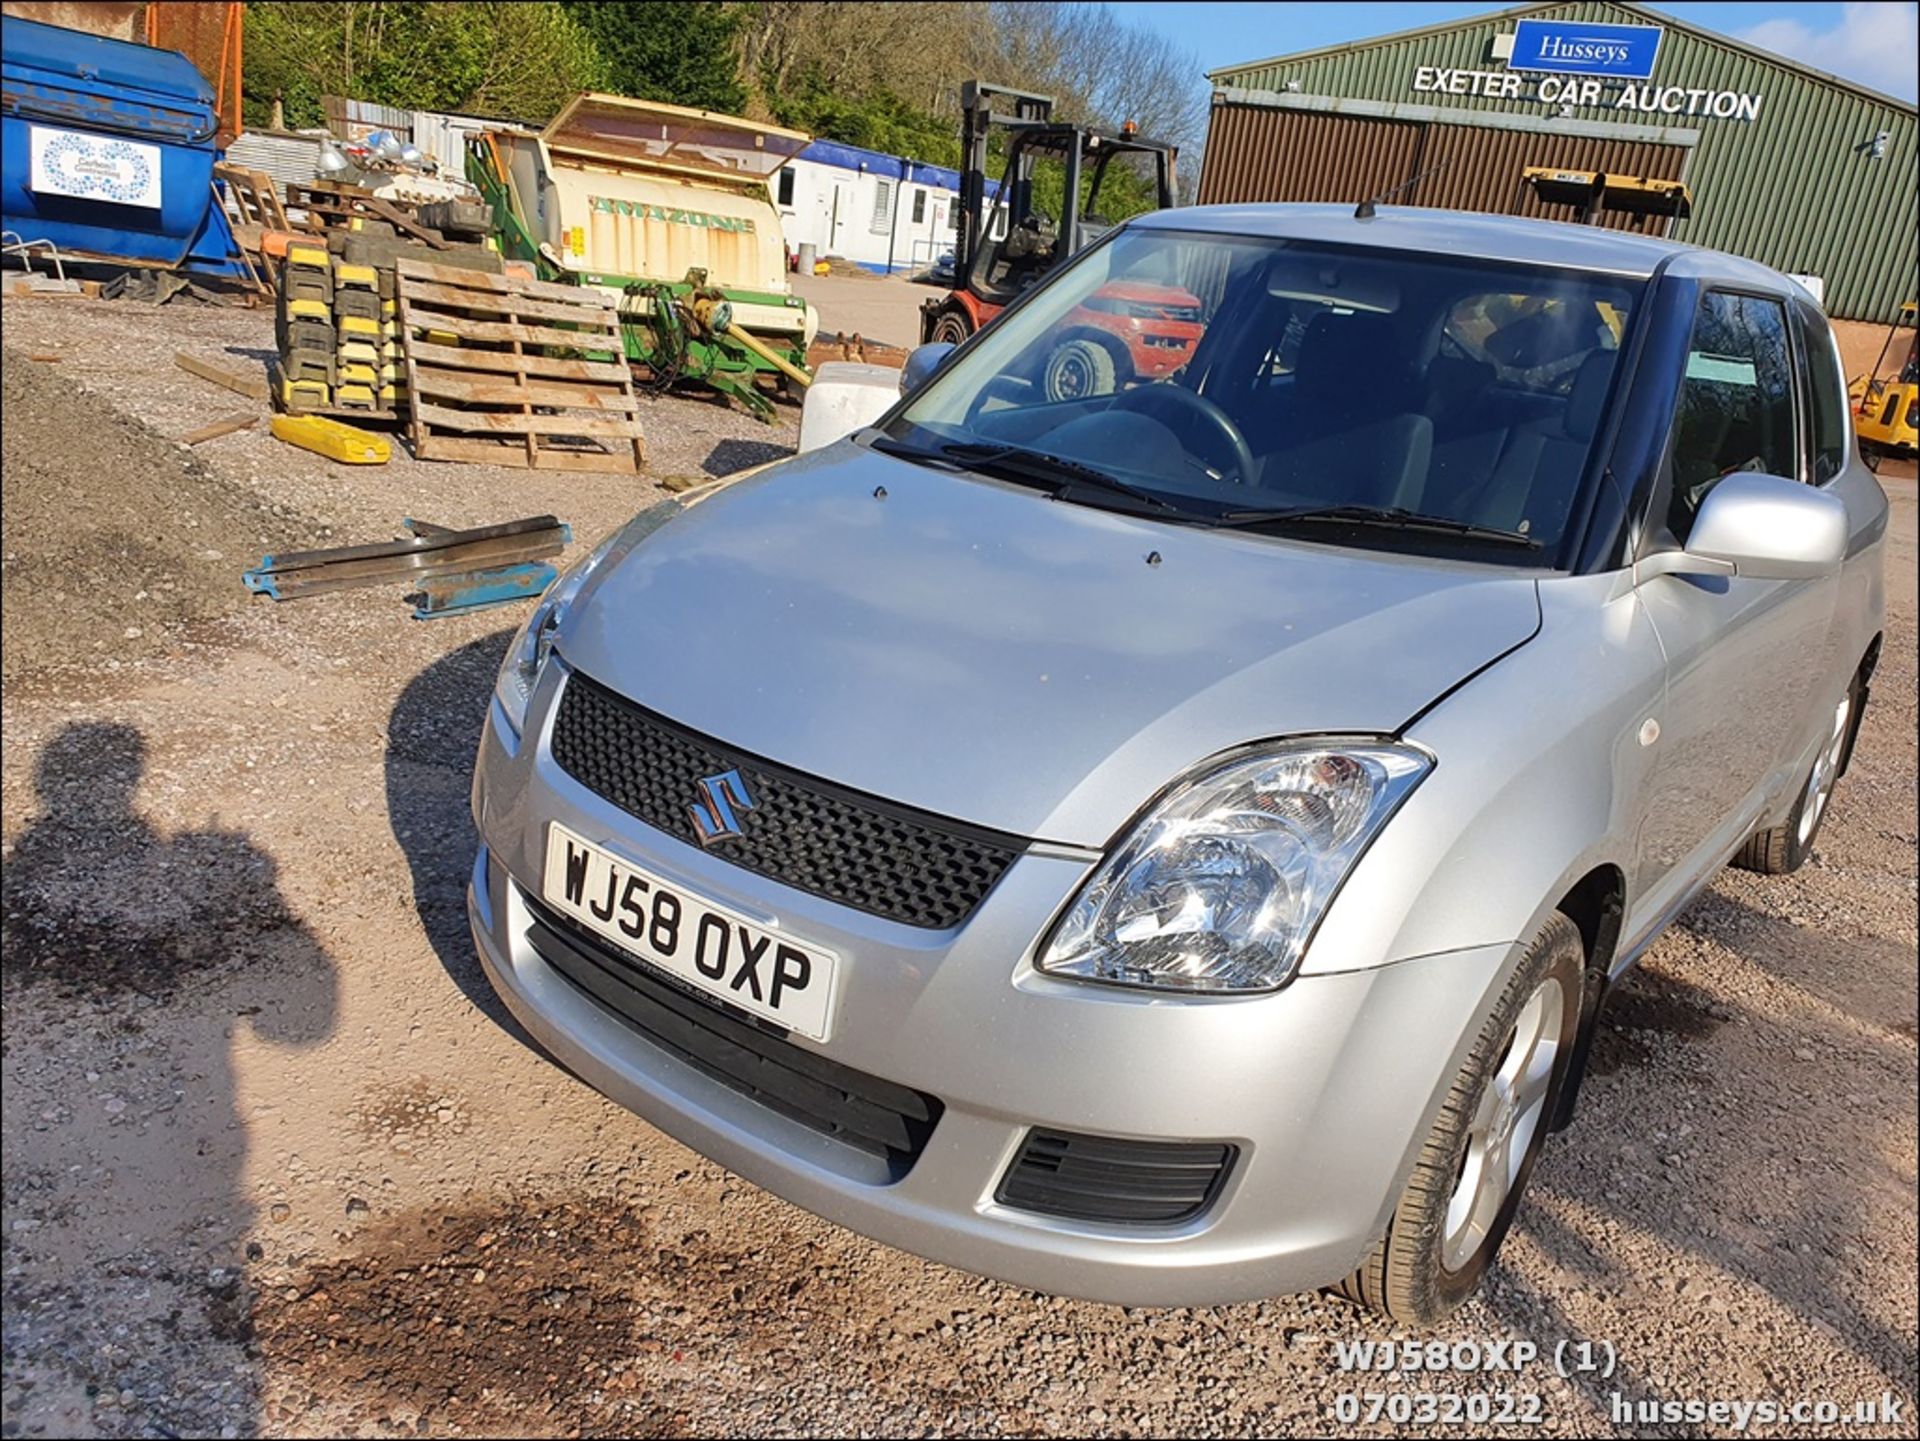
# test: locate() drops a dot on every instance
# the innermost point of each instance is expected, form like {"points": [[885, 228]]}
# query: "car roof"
{"points": [[1468, 234]]}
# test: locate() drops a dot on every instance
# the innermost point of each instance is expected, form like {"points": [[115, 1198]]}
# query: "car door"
{"points": [[1743, 655]]}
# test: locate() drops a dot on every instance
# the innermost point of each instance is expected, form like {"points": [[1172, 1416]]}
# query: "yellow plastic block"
{"points": [[345, 274], [308, 257], [359, 375], [304, 392], [359, 325], [360, 352], [308, 310], [333, 439], [357, 396]]}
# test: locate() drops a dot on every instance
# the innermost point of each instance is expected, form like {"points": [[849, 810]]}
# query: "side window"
{"points": [[1736, 402], [786, 186], [919, 206], [1827, 397], [882, 207]]}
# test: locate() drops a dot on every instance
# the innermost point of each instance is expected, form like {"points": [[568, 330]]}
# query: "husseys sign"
{"points": [[1564, 63]]}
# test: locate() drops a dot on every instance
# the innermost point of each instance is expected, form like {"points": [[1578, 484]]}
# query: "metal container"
{"points": [[108, 151]]}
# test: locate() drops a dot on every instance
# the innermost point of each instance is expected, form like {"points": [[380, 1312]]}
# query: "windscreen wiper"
{"points": [[1382, 517], [887, 445], [1055, 471]]}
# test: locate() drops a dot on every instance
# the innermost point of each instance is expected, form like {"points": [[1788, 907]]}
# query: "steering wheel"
{"points": [[1177, 402]]}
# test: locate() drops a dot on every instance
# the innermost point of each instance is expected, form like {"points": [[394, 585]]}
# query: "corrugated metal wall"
{"points": [[1796, 188], [1258, 153], [286, 158], [444, 137], [1266, 153]]}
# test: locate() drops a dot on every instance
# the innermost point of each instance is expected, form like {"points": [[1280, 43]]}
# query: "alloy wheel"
{"points": [[1506, 1125]]}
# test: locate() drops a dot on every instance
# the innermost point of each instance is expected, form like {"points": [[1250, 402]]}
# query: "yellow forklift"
{"points": [[1885, 409]]}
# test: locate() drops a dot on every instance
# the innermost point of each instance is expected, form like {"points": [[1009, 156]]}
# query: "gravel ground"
{"points": [[277, 1162]]}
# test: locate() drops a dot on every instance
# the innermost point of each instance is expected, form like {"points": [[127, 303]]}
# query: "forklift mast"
{"points": [[981, 106]]}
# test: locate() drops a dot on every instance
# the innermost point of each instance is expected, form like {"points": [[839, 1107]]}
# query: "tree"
{"points": [[517, 61], [680, 53]]}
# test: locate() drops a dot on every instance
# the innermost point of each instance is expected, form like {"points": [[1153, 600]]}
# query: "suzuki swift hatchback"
{"points": [[1170, 844]]}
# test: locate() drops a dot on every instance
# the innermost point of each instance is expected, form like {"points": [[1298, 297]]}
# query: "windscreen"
{"points": [[1234, 375]]}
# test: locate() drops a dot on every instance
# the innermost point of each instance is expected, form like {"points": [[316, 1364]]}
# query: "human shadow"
{"points": [[433, 737], [127, 1196]]}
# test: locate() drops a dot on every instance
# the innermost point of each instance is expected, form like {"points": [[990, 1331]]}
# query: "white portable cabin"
{"points": [[881, 212]]}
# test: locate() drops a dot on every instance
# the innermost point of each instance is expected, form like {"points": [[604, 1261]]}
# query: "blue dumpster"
{"points": [[107, 150]]}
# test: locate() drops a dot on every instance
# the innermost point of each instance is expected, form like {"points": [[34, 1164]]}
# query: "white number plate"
{"points": [[704, 945]]}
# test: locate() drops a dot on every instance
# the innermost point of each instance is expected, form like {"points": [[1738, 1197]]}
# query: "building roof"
{"points": [[877, 162], [1471, 234], [1645, 14]]}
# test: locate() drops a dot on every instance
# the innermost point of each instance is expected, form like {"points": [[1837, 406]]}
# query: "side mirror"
{"points": [[922, 361], [1761, 526]]}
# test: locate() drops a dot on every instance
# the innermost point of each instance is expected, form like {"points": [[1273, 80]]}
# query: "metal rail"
{"points": [[431, 551]]}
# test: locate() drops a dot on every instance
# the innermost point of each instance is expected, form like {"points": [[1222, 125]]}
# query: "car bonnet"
{"points": [[992, 655]]}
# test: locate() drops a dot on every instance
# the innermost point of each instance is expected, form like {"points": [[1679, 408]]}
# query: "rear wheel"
{"points": [[951, 327], [1785, 847], [1471, 1172]]}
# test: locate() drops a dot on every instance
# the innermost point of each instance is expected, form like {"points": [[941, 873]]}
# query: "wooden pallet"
{"points": [[329, 205], [519, 386]]}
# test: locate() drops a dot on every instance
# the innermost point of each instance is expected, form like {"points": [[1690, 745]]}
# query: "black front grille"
{"points": [[865, 1112], [1096, 1178], [885, 859]]}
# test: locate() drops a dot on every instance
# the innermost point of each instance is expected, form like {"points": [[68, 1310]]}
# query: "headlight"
{"points": [[1219, 886], [520, 671]]}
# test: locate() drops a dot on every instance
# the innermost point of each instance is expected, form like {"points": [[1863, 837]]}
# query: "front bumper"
{"points": [[1325, 1088]]}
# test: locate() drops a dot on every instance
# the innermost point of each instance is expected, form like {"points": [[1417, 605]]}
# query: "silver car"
{"points": [[1170, 843]]}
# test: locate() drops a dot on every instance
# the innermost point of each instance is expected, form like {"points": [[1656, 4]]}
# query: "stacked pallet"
{"points": [[509, 371], [303, 328], [337, 328]]}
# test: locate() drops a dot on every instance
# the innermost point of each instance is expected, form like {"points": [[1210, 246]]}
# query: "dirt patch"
{"points": [[502, 1319], [116, 538]]}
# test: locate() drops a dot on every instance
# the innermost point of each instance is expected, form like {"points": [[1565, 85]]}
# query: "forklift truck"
{"points": [[1005, 243], [1886, 409]]}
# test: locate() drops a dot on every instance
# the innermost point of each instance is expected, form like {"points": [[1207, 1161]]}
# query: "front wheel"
{"points": [[951, 327], [1079, 370], [1471, 1171]]}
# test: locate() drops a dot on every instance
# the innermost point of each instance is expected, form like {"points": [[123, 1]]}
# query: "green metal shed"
{"points": [[1808, 173]]}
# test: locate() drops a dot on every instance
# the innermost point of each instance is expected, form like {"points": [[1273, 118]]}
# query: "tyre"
{"points": [[1785, 847], [952, 328], [1078, 369], [1472, 1169]]}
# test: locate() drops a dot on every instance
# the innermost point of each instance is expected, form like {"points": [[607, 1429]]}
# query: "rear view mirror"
{"points": [[922, 361], [1760, 526]]}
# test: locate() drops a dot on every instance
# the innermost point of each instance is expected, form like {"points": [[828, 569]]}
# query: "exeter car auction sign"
{"points": [[1570, 65]]}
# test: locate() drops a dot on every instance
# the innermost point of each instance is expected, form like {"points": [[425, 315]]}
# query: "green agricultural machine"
{"points": [[669, 210]]}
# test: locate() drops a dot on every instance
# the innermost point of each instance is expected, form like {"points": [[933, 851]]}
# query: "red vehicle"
{"points": [[1125, 331]]}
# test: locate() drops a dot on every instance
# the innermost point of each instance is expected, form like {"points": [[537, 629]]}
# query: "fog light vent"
{"points": [[1097, 1178]]}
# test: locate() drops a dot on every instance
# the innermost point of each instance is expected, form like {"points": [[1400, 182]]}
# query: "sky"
{"points": [[1871, 42]]}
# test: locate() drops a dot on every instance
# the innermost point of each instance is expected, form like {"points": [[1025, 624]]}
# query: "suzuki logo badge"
{"points": [[714, 817]]}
